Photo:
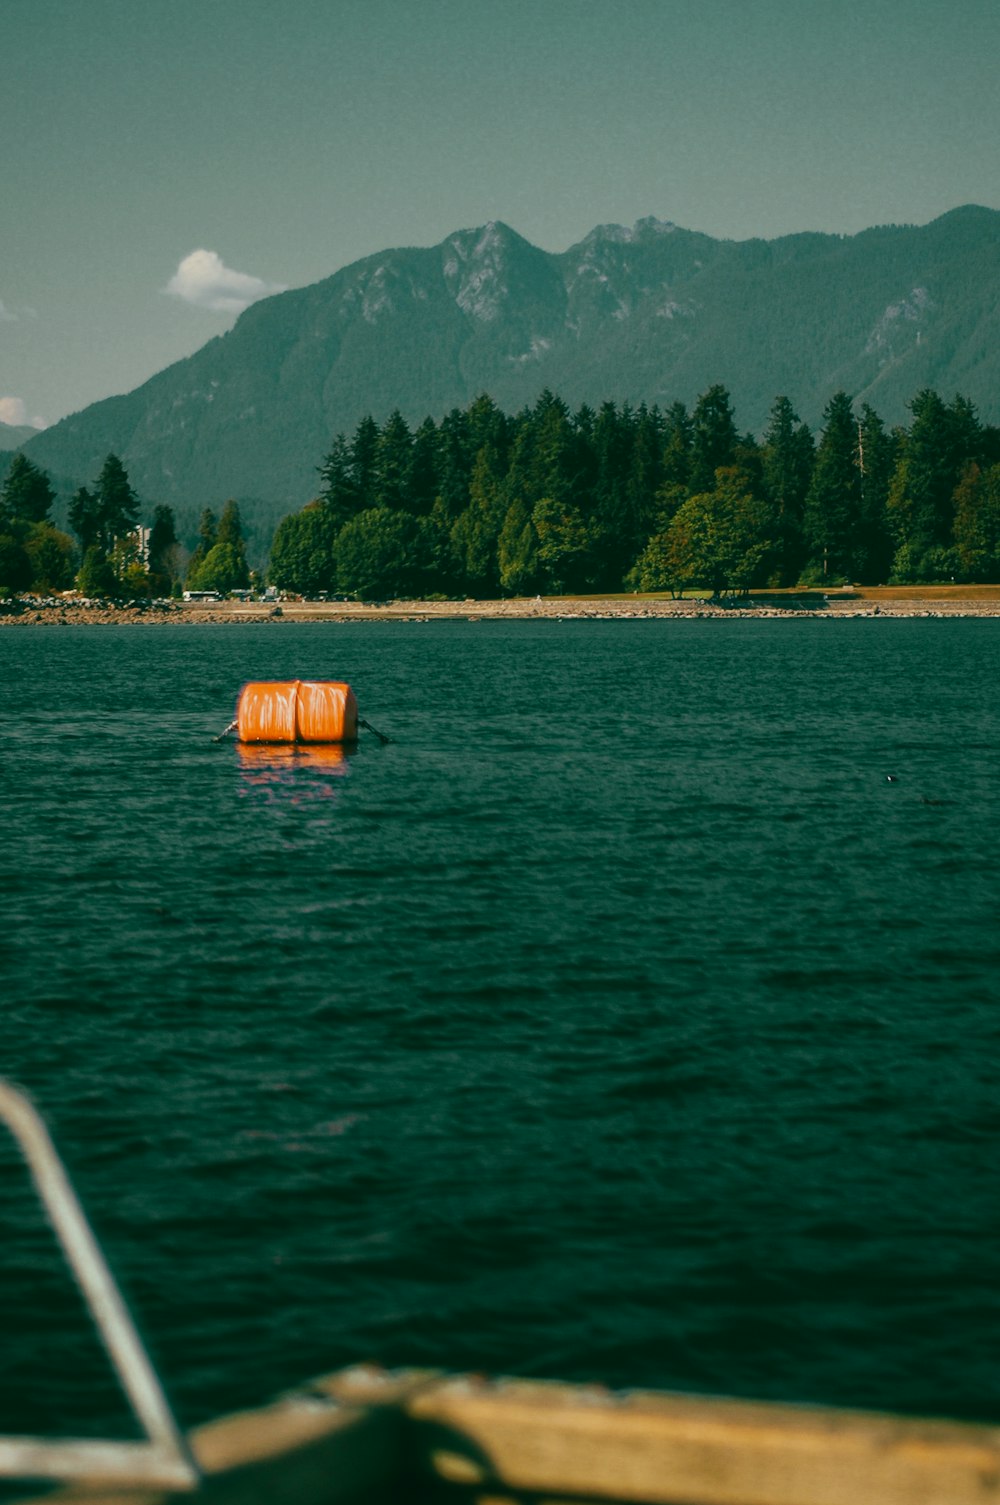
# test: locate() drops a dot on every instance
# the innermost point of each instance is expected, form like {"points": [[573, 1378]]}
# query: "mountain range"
{"points": [[13, 435], [650, 314]]}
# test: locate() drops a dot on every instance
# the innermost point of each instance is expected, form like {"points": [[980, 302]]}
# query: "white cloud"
{"points": [[203, 279], [14, 412], [8, 316]]}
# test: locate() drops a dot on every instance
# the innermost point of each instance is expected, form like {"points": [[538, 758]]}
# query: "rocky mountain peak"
{"points": [[478, 265], [652, 313]]}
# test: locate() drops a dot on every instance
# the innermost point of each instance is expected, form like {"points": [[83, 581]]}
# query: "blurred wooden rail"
{"points": [[416, 1437]]}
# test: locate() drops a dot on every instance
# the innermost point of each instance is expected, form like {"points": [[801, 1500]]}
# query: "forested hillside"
{"points": [[653, 314]]}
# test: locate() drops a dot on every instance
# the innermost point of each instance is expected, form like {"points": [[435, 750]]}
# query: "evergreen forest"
{"points": [[548, 501], [553, 502], [113, 556]]}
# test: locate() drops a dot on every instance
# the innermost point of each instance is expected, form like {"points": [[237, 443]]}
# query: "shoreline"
{"points": [[880, 601]]}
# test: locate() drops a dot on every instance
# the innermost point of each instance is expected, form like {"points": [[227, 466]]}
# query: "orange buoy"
{"points": [[297, 710]]}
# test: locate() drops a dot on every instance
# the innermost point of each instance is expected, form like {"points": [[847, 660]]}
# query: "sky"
{"points": [[163, 163]]}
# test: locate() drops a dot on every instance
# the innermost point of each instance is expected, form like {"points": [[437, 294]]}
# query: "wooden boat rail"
{"points": [[365, 1436]]}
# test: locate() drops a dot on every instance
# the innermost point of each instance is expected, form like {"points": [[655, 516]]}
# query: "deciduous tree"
{"points": [[381, 554], [53, 557]]}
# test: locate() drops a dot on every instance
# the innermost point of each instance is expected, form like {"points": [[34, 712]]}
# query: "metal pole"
{"points": [[139, 1380]]}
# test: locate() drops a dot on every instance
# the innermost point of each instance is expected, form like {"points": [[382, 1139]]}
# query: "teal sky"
{"points": [[291, 138]]}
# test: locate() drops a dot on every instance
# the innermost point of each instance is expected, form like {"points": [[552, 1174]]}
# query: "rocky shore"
{"points": [[928, 601]]}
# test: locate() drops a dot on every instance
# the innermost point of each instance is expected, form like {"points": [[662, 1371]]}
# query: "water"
{"points": [[621, 1021]]}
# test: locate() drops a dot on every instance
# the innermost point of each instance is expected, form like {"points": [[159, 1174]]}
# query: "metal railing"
{"points": [[164, 1459]]}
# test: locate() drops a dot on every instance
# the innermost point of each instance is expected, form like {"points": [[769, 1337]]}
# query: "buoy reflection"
{"points": [[299, 772]]}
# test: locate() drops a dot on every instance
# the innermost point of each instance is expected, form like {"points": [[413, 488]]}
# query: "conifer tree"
{"points": [[392, 464], [787, 462], [875, 464], [230, 525], [613, 444], [364, 460], [833, 503], [645, 477], [424, 466], [713, 437], [485, 423], [552, 467], [27, 494], [676, 446], [162, 539], [341, 495], [930, 477], [83, 518], [117, 503], [208, 528], [163, 548], [455, 462], [476, 531]]}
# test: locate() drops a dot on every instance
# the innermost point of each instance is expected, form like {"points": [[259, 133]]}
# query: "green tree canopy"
{"points": [[164, 548], [941, 441], [53, 557], [977, 523], [224, 568], [477, 529], [833, 504], [16, 570], [619, 477], [424, 483], [876, 459], [787, 459], [340, 493], [208, 537], [230, 525], [517, 551], [117, 503], [393, 462], [364, 461], [27, 494], [382, 554], [84, 518], [303, 554], [713, 438], [97, 577], [565, 555], [723, 539]]}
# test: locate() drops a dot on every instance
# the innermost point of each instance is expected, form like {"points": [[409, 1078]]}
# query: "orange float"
{"points": [[297, 710]]}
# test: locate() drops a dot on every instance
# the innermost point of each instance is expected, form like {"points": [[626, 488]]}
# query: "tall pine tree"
{"points": [[833, 504], [117, 504]]}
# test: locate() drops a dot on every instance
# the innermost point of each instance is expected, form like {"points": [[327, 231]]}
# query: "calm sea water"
{"points": [[620, 1021]]}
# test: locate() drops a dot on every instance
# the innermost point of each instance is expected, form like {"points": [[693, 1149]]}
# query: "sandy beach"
{"points": [[874, 601]]}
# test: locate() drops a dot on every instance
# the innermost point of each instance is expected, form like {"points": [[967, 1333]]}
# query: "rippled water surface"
{"points": [[620, 1021]]}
